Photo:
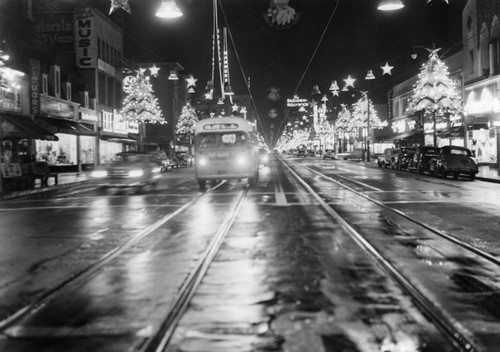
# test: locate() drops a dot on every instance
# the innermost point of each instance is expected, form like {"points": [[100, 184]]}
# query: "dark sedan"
{"points": [[455, 161], [422, 158]]}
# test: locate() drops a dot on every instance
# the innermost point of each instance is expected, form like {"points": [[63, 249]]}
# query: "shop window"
{"points": [[61, 152], [110, 92], [118, 95], [471, 61], [67, 91], [45, 84], [484, 56], [55, 81], [495, 44], [102, 88], [87, 149], [107, 121], [99, 53]]}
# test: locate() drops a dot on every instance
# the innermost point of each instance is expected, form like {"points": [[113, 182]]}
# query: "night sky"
{"points": [[357, 38]]}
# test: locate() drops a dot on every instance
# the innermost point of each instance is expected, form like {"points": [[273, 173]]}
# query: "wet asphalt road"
{"points": [[287, 278]]}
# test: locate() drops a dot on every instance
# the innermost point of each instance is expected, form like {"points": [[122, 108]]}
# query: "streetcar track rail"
{"points": [[442, 234], [165, 331], [83, 274], [451, 328]]}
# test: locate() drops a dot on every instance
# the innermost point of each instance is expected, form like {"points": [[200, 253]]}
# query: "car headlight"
{"points": [[135, 173], [99, 173]]}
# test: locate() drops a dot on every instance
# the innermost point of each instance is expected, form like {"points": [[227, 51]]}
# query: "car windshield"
{"points": [[463, 152], [131, 158]]}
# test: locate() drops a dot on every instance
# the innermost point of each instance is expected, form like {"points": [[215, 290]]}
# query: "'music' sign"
{"points": [[85, 47]]}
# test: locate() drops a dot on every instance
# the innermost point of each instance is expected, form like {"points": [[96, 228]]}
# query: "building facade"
{"points": [[481, 58]]}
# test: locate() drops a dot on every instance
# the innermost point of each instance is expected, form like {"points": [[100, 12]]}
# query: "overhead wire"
{"points": [[317, 47]]}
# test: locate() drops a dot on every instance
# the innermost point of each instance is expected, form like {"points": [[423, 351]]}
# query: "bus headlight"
{"points": [[135, 173], [203, 161], [241, 160]]}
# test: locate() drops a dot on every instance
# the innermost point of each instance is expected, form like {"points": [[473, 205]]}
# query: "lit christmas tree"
{"points": [[434, 94], [140, 104], [186, 123], [360, 111], [343, 126], [187, 120]]}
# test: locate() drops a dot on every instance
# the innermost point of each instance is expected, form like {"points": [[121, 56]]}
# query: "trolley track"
{"points": [[461, 337], [155, 340]]}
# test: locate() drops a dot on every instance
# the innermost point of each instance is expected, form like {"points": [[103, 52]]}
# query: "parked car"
{"points": [[454, 160], [311, 152], [182, 159], [422, 158], [136, 170], [163, 160], [388, 157], [404, 158], [329, 154], [301, 151]]}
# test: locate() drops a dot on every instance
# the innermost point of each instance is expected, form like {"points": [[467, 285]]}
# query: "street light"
{"points": [[168, 9], [390, 5], [369, 77]]}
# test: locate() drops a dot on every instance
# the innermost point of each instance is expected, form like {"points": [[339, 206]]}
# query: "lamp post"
{"points": [[369, 76]]}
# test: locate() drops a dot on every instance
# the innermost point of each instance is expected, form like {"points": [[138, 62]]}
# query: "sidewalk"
{"points": [[64, 180], [489, 174]]}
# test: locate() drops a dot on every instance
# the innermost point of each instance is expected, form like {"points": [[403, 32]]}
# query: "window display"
{"points": [[87, 149], [58, 152]]}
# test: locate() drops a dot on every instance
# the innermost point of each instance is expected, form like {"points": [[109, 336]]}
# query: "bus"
{"points": [[225, 148]]}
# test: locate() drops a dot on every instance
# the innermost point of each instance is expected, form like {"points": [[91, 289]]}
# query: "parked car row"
{"points": [[445, 161], [181, 159]]}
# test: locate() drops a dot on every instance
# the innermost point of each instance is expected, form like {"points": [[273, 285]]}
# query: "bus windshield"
{"points": [[221, 139]]}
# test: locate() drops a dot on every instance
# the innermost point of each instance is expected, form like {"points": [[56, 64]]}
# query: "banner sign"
{"points": [[34, 76], [85, 48], [296, 102]]}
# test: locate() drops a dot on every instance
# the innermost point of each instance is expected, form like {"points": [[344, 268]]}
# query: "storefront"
{"points": [[117, 136], [18, 134], [482, 111], [75, 149]]}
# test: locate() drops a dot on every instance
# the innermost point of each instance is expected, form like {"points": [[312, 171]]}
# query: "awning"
{"points": [[68, 126], [119, 137], [400, 136], [455, 131], [15, 126]]}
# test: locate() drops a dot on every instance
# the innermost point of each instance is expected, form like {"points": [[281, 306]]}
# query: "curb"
{"points": [[27, 192]]}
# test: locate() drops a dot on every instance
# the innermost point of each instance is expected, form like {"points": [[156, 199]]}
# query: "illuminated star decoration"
{"points": [[334, 88], [154, 70], [116, 4], [349, 81], [386, 69], [191, 81], [235, 107], [141, 71]]}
